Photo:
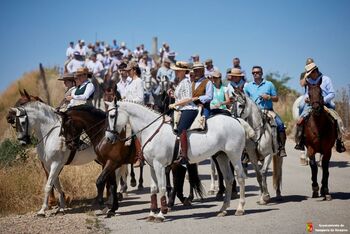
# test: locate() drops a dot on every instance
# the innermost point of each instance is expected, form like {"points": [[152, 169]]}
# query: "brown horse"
{"points": [[320, 135], [112, 156]]}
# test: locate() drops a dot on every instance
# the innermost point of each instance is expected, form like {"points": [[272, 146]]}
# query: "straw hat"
{"points": [[198, 66], [216, 74], [82, 71], [181, 66], [235, 72], [67, 76], [309, 68]]}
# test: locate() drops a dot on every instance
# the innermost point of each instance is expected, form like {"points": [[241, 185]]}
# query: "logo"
{"points": [[309, 227]]}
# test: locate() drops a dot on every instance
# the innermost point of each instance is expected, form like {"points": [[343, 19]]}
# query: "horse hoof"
{"points": [[164, 210], [261, 202], [110, 213], [59, 212], [140, 187], [219, 197], [327, 197], [315, 195], [133, 183], [150, 219], [120, 196], [239, 212], [187, 202], [41, 215], [279, 198], [159, 220], [222, 213]]}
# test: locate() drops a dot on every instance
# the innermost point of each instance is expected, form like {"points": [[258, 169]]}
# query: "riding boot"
{"points": [[282, 143], [183, 159], [339, 146], [299, 137], [139, 156]]}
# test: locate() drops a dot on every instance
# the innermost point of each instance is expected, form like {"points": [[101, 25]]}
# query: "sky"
{"points": [[277, 35]]}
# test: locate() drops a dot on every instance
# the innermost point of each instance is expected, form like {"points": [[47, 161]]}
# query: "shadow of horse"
{"points": [[341, 196], [340, 164], [287, 198]]}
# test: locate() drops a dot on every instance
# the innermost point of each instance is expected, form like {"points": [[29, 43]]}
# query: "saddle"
{"points": [[199, 123]]}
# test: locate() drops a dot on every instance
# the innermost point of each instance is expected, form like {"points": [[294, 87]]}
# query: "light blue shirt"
{"points": [[254, 91], [163, 71], [208, 96], [327, 89]]}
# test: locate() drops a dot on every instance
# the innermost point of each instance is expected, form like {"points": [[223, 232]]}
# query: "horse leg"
{"points": [[55, 170], [220, 193], [325, 176], [154, 190], [264, 170], [212, 177], [101, 181], [113, 191], [62, 197], [314, 169], [123, 180], [52, 199], [277, 175], [160, 174], [224, 165], [234, 183], [132, 175], [168, 184], [140, 186]]}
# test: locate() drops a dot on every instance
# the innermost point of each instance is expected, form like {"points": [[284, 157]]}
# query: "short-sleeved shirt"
{"points": [[254, 91]]}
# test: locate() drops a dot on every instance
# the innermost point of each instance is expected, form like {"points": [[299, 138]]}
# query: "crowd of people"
{"points": [[196, 85]]}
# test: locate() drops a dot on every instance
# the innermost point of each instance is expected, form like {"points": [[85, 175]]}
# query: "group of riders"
{"points": [[194, 86]]}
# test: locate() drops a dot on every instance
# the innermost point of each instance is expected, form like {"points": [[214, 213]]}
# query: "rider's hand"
{"points": [[172, 106], [195, 99], [307, 100], [266, 96]]}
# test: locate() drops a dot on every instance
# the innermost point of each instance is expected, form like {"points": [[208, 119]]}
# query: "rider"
{"points": [[134, 91], [237, 80], [313, 76], [202, 88], [84, 90], [166, 71], [184, 103], [220, 95], [263, 92], [69, 83]]}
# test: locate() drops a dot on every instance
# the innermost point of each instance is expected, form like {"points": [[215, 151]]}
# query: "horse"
{"points": [[263, 148], [296, 114], [320, 135], [35, 116], [224, 134]]}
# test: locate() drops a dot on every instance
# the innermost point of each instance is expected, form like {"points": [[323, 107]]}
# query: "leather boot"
{"points": [[339, 146], [183, 159], [139, 157], [282, 143], [299, 137]]}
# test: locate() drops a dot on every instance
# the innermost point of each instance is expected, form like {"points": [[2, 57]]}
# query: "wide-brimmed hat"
{"points": [[216, 74], [198, 66], [82, 71], [181, 66], [122, 66], [309, 68], [235, 72], [67, 76], [208, 61], [131, 65]]}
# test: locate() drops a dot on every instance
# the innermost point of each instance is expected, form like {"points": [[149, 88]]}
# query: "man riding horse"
{"points": [[263, 92], [313, 76]]}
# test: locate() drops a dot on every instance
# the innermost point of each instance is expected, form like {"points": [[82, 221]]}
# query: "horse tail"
{"points": [[194, 179], [277, 171]]}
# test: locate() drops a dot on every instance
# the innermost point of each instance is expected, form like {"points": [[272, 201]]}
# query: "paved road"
{"points": [[288, 216]]}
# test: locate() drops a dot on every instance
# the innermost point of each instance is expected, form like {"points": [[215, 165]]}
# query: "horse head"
{"points": [[117, 120], [315, 96], [239, 103]]}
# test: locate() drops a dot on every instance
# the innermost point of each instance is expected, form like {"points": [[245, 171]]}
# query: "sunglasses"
{"points": [[254, 72]]}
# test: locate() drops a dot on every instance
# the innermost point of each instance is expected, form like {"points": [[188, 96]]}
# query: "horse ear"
{"points": [[21, 93], [26, 94], [108, 103]]}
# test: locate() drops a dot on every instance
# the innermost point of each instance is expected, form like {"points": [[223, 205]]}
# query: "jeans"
{"points": [[186, 120], [280, 124], [307, 109]]}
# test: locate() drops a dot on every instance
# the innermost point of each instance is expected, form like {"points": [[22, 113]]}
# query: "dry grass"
{"points": [[22, 185]]}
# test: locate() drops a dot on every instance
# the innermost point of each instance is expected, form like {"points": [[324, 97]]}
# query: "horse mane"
{"points": [[87, 108], [142, 105], [43, 107]]}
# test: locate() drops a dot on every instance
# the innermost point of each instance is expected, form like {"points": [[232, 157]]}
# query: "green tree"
{"points": [[280, 82]]}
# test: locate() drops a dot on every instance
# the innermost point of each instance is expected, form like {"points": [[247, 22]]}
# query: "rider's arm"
{"points": [[208, 96], [330, 94]]}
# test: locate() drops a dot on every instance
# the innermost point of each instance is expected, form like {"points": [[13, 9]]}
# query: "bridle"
{"points": [[22, 113]]}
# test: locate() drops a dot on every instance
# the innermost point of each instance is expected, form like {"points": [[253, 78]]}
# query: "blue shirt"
{"points": [[327, 89], [254, 91], [163, 71]]}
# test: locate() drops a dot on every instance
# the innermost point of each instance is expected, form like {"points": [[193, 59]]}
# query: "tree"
{"points": [[280, 82]]}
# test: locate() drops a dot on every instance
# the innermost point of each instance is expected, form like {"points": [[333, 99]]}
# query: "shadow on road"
{"points": [[340, 164], [340, 196], [144, 190], [288, 198]]}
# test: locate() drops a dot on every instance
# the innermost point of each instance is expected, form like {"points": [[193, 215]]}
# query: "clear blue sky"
{"points": [[278, 35]]}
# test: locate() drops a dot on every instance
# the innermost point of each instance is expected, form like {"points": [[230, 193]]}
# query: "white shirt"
{"points": [[69, 52], [125, 52], [121, 86], [134, 90], [184, 91], [74, 64], [95, 67], [90, 88]]}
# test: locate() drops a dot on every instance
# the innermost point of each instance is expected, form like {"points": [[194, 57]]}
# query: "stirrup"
{"points": [[339, 146], [299, 146], [282, 152], [181, 160]]}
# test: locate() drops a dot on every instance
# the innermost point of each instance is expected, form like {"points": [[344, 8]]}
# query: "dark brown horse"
{"points": [[320, 135]]}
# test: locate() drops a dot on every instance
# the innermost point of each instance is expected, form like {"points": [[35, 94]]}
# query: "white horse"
{"points": [[263, 148], [41, 119], [224, 134]]}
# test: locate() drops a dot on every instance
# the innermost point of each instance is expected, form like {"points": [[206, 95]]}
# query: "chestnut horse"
{"points": [[93, 121], [320, 134]]}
